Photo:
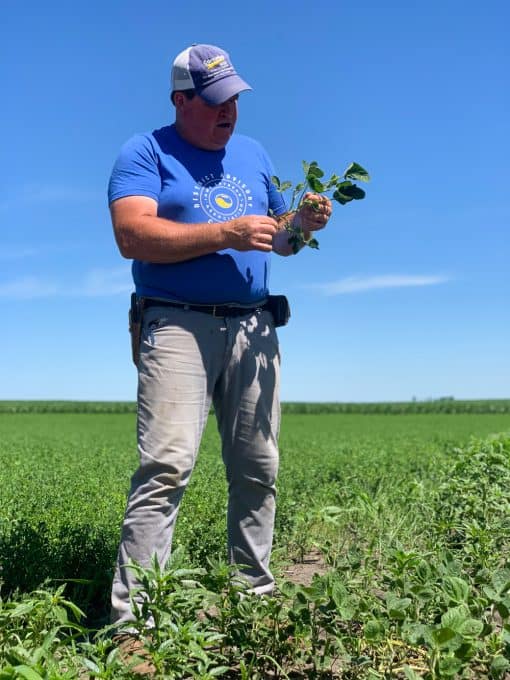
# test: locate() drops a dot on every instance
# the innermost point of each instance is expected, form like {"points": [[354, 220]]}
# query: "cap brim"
{"points": [[219, 92]]}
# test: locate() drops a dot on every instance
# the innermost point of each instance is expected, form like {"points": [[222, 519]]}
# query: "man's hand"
{"points": [[142, 235], [251, 232], [314, 213]]}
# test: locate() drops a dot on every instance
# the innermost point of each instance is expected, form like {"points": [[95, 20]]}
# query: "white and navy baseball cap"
{"points": [[207, 70]]}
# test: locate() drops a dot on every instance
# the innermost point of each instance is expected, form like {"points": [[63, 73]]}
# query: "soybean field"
{"points": [[392, 548]]}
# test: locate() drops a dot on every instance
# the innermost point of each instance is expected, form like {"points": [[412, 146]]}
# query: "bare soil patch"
{"points": [[302, 573]]}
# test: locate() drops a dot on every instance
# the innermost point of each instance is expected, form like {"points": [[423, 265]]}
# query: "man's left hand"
{"points": [[314, 212]]}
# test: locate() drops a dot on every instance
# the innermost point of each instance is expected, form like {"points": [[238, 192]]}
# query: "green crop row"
{"points": [[445, 405], [94, 407], [442, 405]]}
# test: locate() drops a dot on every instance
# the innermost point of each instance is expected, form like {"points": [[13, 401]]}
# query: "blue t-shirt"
{"points": [[193, 185]]}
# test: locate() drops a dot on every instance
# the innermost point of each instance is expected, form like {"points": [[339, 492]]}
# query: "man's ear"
{"points": [[177, 99]]}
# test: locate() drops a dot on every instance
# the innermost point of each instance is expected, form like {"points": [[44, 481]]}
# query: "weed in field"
{"points": [[38, 635]]}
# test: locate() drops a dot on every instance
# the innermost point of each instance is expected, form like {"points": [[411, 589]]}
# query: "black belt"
{"points": [[214, 310]]}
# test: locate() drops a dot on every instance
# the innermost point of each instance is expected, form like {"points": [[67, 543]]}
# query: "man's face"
{"points": [[205, 126]]}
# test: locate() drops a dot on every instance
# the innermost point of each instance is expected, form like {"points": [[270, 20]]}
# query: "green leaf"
{"points": [[285, 185], [315, 184], [374, 631], [397, 606], [331, 512], [219, 670], [348, 609], [450, 665], [423, 571], [416, 633], [338, 593], [456, 589], [341, 186], [455, 618], [506, 601], [410, 674], [424, 594], [355, 192], [491, 594], [443, 635], [91, 666], [347, 193], [276, 181], [503, 610], [501, 580], [287, 589], [28, 673], [77, 612], [355, 171], [306, 167], [471, 628], [314, 171], [499, 664], [23, 609], [313, 243]]}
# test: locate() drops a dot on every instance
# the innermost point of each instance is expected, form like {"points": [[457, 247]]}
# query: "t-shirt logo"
{"points": [[223, 201], [222, 198]]}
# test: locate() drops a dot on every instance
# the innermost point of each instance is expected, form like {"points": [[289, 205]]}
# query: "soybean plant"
{"points": [[342, 190]]}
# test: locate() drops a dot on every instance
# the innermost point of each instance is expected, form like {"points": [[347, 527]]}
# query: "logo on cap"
{"points": [[213, 62]]}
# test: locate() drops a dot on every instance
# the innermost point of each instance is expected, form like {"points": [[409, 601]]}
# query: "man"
{"points": [[194, 206]]}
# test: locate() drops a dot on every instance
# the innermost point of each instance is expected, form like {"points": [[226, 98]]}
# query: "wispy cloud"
{"points": [[27, 288], [359, 284], [96, 283], [106, 282]]}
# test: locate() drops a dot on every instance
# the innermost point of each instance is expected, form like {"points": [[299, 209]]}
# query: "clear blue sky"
{"points": [[409, 292]]}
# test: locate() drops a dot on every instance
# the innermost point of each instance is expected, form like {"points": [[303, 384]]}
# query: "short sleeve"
{"points": [[136, 171]]}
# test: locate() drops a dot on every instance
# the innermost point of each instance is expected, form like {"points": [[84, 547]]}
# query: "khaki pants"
{"points": [[188, 360]]}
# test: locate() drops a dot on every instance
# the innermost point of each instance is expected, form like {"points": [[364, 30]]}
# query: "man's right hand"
{"points": [[251, 232]]}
